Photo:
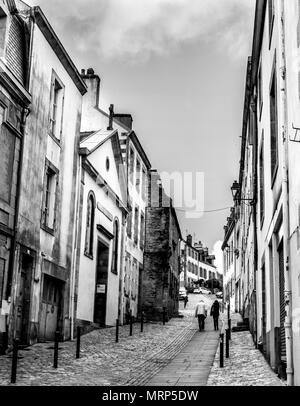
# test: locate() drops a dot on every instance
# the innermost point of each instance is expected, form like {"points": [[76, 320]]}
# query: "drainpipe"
{"points": [[253, 106], [122, 269], [75, 245], [285, 193]]}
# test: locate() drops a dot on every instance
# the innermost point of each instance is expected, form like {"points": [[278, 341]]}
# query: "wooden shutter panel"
{"points": [[282, 304]]}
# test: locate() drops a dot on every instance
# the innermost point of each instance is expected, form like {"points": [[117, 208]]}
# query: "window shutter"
{"points": [[62, 112]]}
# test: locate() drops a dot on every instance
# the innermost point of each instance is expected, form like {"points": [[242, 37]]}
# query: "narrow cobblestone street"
{"points": [[174, 354], [132, 361]]}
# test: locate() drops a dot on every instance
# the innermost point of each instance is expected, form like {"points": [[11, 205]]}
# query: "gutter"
{"points": [[75, 247]]}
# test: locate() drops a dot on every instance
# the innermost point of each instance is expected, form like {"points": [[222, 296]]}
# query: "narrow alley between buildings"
{"points": [[174, 354]]}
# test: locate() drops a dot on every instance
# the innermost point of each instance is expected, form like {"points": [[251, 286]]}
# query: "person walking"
{"points": [[215, 313], [201, 313], [186, 299]]}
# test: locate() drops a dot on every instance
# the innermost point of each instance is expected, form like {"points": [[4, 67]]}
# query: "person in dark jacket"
{"points": [[215, 313], [186, 299]]}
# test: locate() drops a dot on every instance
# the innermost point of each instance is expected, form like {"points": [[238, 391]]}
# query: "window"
{"points": [[144, 184], [129, 224], [262, 181], [2, 272], [115, 253], [138, 175], [90, 220], [136, 225], [2, 114], [7, 158], [273, 126], [142, 231], [49, 199], [271, 17], [56, 111], [131, 165], [260, 92], [107, 164]]}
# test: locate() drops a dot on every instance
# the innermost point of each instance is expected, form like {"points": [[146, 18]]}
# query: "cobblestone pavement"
{"points": [[191, 367], [246, 365], [132, 361]]}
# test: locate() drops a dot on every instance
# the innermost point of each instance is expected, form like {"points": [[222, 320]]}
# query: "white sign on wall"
{"points": [[101, 288]]}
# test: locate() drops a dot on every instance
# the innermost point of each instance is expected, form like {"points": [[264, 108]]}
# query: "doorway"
{"points": [[23, 298], [140, 291], [51, 314], [101, 283]]}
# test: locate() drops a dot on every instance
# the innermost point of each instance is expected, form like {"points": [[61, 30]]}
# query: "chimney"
{"points": [[189, 240], [93, 84], [111, 117], [125, 119]]}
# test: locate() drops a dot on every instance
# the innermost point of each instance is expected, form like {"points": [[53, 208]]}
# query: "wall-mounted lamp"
{"points": [[236, 192]]}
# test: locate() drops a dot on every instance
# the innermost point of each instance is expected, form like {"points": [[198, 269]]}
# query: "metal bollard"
{"points": [[164, 316], [56, 344], [142, 322], [227, 343], [229, 328], [222, 350], [131, 324], [14, 361], [78, 342], [117, 330]]}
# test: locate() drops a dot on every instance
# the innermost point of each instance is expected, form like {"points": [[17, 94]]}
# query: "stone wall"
{"points": [[161, 263]]}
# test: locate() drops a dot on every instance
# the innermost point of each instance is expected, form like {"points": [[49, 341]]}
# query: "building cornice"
{"points": [[133, 137], [58, 48], [259, 25]]}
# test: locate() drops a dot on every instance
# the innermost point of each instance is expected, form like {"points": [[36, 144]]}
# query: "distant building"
{"points": [[197, 264], [161, 255]]}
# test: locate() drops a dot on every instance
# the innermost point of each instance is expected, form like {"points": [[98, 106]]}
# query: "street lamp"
{"points": [[236, 193]]}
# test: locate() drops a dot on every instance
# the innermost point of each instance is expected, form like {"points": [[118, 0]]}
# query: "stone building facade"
{"points": [[14, 102], [162, 254], [137, 166], [101, 227], [269, 182], [197, 264], [38, 284]]}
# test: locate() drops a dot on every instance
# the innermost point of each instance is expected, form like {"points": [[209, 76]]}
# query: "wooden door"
{"points": [[101, 283], [51, 312], [23, 298]]}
